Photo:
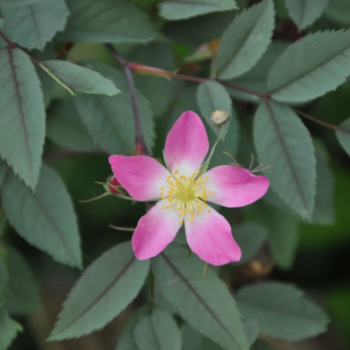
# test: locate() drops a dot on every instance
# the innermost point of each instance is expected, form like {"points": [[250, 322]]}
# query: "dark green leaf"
{"points": [[77, 79], [3, 170], [126, 340], [9, 329], [158, 90], [179, 9], [22, 294], [33, 26], [66, 128], [250, 238], [3, 271], [281, 311], [198, 30], [22, 123], [45, 219], [323, 213], [157, 331], [194, 340], [109, 120], [105, 289], [305, 12], [343, 135], [312, 66], [260, 345], [14, 3], [283, 235], [212, 96], [205, 303], [283, 142], [106, 21], [338, 12], [245, 40]]}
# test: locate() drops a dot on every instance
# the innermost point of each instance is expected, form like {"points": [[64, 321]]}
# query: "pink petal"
{"points": [[141, 176], [234, 187], [186, 144], [211, 239], [155, 231]]}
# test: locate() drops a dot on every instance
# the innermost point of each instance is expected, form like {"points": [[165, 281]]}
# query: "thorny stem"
{"points": [[317, 121], [140, 140]]}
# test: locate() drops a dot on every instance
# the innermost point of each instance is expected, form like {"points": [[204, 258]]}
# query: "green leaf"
{"points": [[77, 79], [338, 11], [66, 128], [343, 135], [109, 120], [250, 237], [157, 331], [22, 294], [260, 345], [282, 141], [126, 340], [194, 340], [3, 170], [212, 96], [281, 311], [305, 12], [179, 9], [3, 272], [205, 303], [323, 213], [45, 219], [245, 40], [9, 329], [14, 3], [105, 289], [106, 21], [158, 90], [252, 329], [283, 235], [22, 123], [34, 25], [314, 65]]}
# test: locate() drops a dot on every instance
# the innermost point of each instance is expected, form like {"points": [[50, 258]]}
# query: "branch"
{"points": [[317, 121], [140, 140]]}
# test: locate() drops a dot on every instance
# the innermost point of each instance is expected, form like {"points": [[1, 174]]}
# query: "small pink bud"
{"points": [[113, 181]]}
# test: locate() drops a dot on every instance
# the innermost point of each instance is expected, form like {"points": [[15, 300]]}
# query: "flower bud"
{"points": [[219, 117], [112, 180]]}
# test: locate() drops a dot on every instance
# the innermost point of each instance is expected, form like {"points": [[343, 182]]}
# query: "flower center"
{"points": [[186, 195]]}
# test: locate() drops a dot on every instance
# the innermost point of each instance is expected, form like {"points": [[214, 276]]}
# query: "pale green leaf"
{"points": [[343, 135], [45, 219], [204, 302], [15, 3], [22, 123], [305, 12], [9, 329], [33, 26], [106, 21], [283, 234], [66, 128], [194, 340], [252, 330], [283, 142], [179, 9], [77, 79], [245, 40], [126, 340], [157, 331], [250, 237], [281, 311], [22, 294], [158, 90], [311, 67], [105, 289], [212, 96], [109, 120]]}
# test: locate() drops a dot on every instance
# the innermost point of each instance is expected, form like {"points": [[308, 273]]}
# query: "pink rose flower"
{"points": [[182, 195]]}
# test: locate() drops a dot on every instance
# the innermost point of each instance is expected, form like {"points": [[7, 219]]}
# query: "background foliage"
{"points": [[278, 68]]}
